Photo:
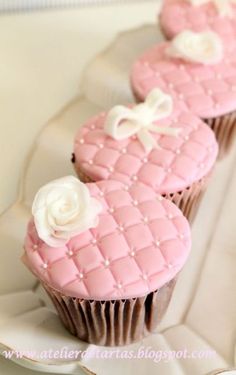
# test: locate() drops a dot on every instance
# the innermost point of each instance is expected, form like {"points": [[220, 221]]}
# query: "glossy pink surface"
{"points": [[207, 91], [179, 15], [141, 242], [179, 163]]}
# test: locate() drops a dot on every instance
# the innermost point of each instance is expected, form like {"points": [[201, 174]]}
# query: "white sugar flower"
{"points": [[62, 209], [205, 47]]}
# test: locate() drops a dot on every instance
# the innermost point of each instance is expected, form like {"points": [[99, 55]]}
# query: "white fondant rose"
{"points": [[62, 209], [224, 7], [205, 47]]}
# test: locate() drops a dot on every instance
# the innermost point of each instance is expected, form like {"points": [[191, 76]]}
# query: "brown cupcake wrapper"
{"points": [[187, 200], [112, 323], [224, 128]]}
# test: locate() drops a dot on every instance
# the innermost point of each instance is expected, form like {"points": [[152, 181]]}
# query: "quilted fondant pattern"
{"points": [[179, 15], [141, 242], [207, 91], [179, 163]]}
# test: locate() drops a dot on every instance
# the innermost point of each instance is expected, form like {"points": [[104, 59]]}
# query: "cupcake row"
{"points": [[108, 246]]}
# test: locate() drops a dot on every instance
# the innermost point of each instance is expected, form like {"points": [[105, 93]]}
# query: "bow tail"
{"points": [[147, 140], [165, 130]]}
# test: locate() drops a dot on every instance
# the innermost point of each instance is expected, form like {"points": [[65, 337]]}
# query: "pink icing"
{"points": [[179, 163], [141, 242], [207, 91], [179, 15]]}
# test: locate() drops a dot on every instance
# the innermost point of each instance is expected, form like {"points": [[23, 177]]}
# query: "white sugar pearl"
{"points": [[45, 266], [106, 262], [81, 141], [132, 253], [145, 160], [186, 137], [145, 219], [177, 151], [93, 241], [181, 236], [170, 216], [70, 253], [111, 210], [126, 188], [169, 170], [160, 198], [134, 178], [121, 228], [135, 203], [81, 275], [144, 277], [124, 150], [157, 243], [169, 265], [35, 247], [119, 286], [90, 162], [92, 127], [101, 194], [111, 169], [101, 145]]}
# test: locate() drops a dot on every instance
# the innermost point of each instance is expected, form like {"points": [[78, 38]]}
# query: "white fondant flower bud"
{"points": [[205, 47]]}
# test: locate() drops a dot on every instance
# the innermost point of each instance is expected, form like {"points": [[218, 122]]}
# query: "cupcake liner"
{"points": [[187, 200], [224, 128], [112, 323]]}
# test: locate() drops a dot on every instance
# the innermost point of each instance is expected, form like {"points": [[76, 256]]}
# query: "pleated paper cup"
{"points": [[115, 322]]}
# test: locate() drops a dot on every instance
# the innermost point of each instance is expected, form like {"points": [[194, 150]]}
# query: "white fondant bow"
{"points": [[123, 122], [223, 6]]}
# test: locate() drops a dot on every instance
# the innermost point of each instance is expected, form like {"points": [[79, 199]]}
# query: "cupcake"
{"points": [[157, 143], [195, 69], [199, 15], [108, 257]]}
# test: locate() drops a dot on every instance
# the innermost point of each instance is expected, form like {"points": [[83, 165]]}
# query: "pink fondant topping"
{"points": [[179, 15], [141, 242], [180, 161], [207, 91]]}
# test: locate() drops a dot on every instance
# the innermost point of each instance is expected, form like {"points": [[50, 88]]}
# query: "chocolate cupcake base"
{"points": [[112, 323], [187, 200]]}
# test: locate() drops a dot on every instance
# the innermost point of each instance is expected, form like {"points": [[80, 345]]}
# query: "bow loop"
{"points": [[123, 122]]}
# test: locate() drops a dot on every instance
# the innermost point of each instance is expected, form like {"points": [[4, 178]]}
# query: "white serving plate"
{"points": [[203, 309]]}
